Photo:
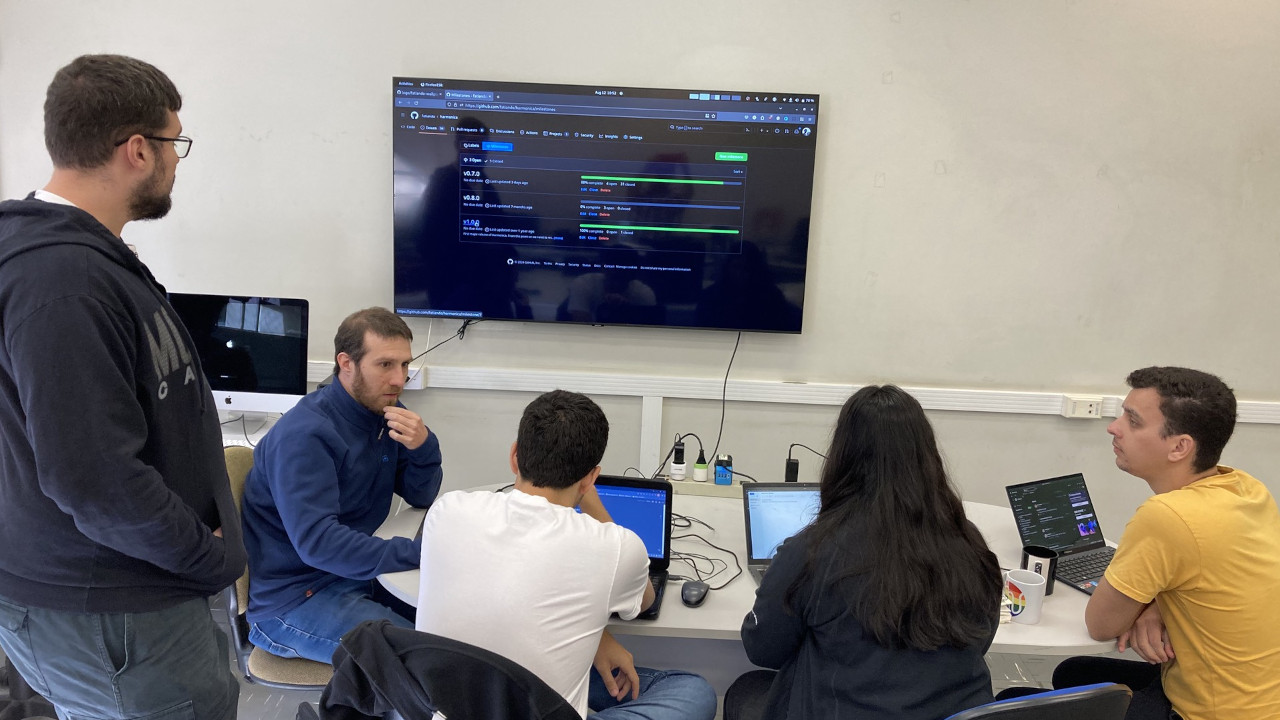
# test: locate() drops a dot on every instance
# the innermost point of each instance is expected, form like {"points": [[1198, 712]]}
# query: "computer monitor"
{"points": [[602, 205], [253, 349]]}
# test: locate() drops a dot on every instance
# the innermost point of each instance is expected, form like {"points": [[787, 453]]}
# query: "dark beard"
{"points": [[359, 389], [148, 203], [150, 207]]}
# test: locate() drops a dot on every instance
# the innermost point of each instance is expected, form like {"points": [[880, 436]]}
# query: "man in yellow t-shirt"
{"points": [[1198, 569]]}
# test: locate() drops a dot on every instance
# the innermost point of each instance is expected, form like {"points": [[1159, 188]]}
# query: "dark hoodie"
{"points": [[379, 667], [112, 478]]}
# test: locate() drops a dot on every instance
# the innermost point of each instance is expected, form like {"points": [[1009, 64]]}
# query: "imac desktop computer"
{"points": [[253, 349]]}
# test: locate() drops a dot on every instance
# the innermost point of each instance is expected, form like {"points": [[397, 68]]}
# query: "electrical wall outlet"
{"points": [[1082, 406]]}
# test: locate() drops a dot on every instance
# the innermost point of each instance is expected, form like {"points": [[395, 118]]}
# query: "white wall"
{"points": [[1009, 194]]}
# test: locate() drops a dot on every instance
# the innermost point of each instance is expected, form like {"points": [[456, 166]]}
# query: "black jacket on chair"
{"points": [[379, 667]]}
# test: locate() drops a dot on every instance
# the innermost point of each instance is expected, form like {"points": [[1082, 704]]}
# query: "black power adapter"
{"points": [[678, 467], [793, 470]]}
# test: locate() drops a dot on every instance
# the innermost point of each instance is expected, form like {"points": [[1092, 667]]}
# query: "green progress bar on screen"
{"points": [[591, 226], [656, 180]]}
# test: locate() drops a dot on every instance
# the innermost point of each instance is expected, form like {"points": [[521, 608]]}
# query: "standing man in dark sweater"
{"points": [[116, 517], [322, 482]]}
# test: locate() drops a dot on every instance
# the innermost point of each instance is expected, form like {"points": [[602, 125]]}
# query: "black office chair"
{"points": [[257, 665], [379, 668], [1103, 701]]}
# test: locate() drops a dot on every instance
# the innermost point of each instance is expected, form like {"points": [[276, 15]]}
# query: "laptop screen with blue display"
{"points": [[641, 510]]}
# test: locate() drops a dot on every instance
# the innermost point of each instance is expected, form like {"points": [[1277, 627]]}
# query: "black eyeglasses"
{"points": [[181, 144]]}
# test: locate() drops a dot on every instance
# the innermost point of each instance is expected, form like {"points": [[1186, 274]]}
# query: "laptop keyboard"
{"points": [[1085, 566], [659, 580]]}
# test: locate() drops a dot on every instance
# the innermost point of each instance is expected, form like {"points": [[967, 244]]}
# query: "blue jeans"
{"points": [[664, 695], [312, 630], [170, 664]]}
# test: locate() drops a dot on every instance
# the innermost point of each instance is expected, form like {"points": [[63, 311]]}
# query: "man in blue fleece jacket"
{"points": [[116, 517], [322, 483]]}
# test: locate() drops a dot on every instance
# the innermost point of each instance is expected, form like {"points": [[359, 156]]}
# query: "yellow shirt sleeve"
{"points": [[1156, 553]]}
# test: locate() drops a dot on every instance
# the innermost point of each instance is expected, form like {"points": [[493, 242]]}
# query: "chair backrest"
{"points": [[380, 667], [239, 463], [1103, 701], [257, 664]]}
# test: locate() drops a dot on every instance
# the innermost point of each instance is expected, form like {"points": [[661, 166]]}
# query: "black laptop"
{"points": [[1057, 513], [643, 506]]}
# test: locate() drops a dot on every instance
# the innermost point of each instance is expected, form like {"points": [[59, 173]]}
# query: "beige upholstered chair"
{"points": [[258, 665]]}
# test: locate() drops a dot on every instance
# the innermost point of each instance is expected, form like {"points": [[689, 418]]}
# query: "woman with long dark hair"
{"points": [[885, 605]]}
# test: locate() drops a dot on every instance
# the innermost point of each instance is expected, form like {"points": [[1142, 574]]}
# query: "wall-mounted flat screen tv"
{"points": [[602, 205]]}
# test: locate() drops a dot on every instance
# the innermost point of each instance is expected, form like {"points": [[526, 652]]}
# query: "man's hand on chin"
{"points": [[406, 426]]}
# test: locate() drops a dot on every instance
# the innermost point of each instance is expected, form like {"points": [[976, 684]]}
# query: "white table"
{"points": [[706, 640]]}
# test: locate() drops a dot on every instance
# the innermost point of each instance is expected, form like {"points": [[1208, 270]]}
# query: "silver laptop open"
{"points": [[773, 512]]}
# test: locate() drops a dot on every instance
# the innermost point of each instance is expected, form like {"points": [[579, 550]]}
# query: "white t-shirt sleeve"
{"points": [[631, 576]]}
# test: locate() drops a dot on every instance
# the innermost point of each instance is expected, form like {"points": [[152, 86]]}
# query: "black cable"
{"points": [[692, 560], [708, 542], [694, 436], [688, 521], [462, 331], [724, 393], [664, 462], [735, 472], [668, 456], [505, 487], [806, 447], [244, 428], [679, 438], [460, 334], [716, 572], [689, 560], [624, 472]]}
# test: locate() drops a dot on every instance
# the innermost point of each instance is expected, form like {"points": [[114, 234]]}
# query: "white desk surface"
{"points": [[1061, 629]]}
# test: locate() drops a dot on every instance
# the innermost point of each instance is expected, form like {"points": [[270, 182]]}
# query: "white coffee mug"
{"points": [[1025, 591]]}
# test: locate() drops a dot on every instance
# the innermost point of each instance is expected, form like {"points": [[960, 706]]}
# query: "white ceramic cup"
{"points": [[1025, 590]]}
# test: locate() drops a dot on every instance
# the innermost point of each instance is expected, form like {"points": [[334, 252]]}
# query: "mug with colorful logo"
{"points": [[1025, 591]]}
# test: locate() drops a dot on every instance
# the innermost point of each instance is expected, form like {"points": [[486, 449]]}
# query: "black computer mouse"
{"points": [[694, 592]]}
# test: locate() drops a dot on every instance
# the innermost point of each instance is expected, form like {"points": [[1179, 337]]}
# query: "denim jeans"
{"points": [[312, 630], [664, 694], [170, 664]]}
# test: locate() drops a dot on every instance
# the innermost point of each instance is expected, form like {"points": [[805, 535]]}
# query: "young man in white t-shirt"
{"points": [[524, 575]]}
